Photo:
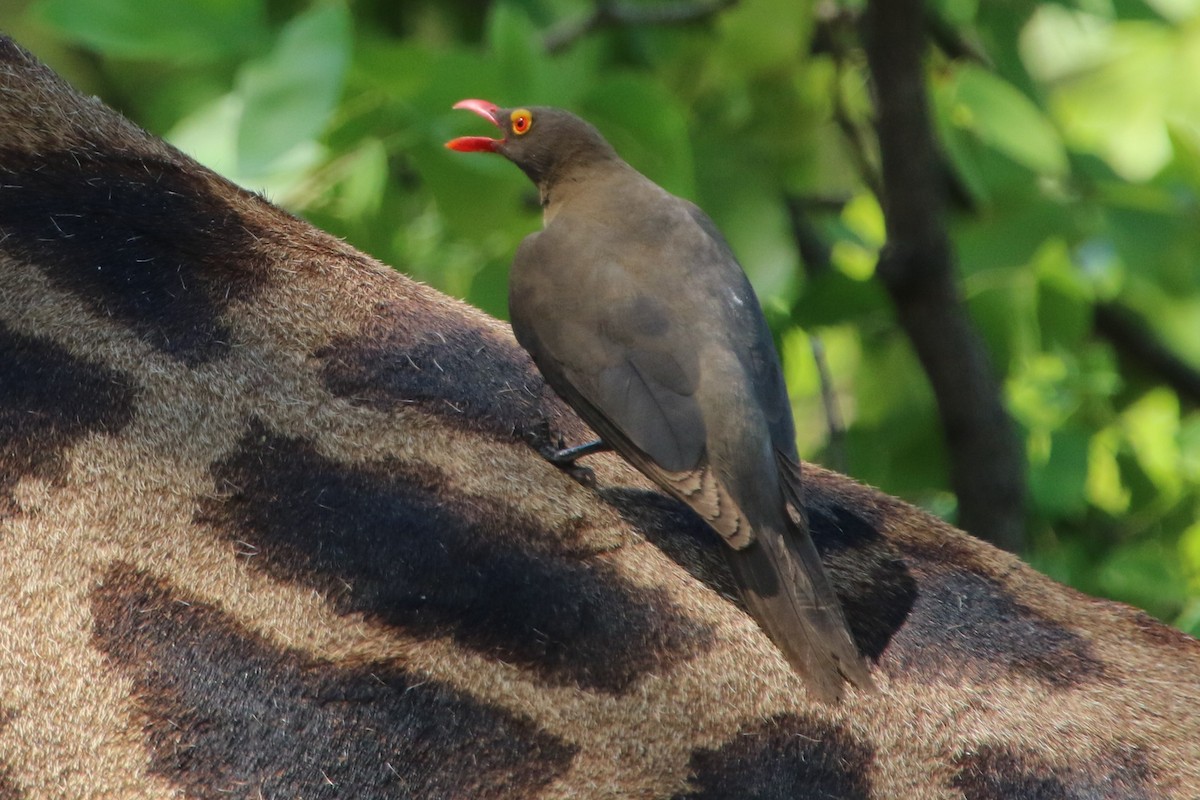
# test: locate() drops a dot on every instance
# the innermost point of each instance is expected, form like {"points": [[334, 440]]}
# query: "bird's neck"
{"points": [[583, 184]]}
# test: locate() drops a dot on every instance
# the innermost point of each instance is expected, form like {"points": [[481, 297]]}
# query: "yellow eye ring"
{"points": [[522, 121]]}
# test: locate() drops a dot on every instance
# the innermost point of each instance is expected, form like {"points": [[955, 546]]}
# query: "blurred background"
{"points": [[1064, 185]]}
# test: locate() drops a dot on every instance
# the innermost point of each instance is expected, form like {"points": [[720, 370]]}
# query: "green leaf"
{"points": [[1116, 99], [363, 182], [832, 298], [1004, 312], [519, 61], [956, 12], [1057, 484], [759, 35], [291, 93], [1146, 574], [1064, 306], [1039, 394], [1004, 118], [646, 125], [187, 32], [1010, 236], [1105, 489], [1189, 550], [209, 134], [1152, 426]]}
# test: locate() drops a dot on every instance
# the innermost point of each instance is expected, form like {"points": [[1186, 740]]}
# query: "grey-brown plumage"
{"points": [[637, 313]]}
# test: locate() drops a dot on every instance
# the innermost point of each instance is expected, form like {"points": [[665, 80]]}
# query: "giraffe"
{"points": [[273, 524]]}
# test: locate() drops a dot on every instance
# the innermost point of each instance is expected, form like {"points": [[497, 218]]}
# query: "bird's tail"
{"points": [[788, 592]]}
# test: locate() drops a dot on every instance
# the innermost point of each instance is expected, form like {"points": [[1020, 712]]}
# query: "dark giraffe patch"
{"points": [[1154, 632], [389, 542], [871, 579], [784, 758], [998, 772], [868, 575], [143, 241], [48, 400], [680, 533], [408, 356], [10, 789], [9, 51], [967, 626], [952, 621], [225, 712]]}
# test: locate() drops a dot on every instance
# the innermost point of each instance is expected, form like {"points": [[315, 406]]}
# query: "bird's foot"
{"points": [[565, 457]]}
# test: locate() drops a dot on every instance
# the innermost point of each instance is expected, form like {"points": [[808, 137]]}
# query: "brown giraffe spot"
{"points": [[784, 758], [143, 241], [967, 626], [226, 713], [1155, 634], [390, 542], [48, 400], [999, 772]]}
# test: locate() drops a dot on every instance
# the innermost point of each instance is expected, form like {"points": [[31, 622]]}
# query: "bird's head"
{"points": [[544, 142]]}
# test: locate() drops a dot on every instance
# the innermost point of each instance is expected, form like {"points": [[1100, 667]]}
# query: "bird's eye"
{"points": [[522, 120]]}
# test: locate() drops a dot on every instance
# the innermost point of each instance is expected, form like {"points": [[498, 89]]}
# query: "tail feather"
{"points": [[784, 585], [788, 591]]}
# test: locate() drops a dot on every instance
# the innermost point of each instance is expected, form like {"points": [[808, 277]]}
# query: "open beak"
{"points": [[474, 144]]}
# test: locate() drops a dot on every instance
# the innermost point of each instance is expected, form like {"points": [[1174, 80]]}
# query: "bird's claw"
{"points": [[565, 460], [563, 457], [582, 475]]}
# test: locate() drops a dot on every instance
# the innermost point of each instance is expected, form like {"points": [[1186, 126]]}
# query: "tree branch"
{"points": [[1132, 338], [816, 255], [815, 252], [916, 268], [833, 411]]}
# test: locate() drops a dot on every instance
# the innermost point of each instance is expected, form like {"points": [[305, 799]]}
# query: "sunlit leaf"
{"points": [[1006, 119], [1151, 426], [290, 94], [1189, 550], [1105, 490]]}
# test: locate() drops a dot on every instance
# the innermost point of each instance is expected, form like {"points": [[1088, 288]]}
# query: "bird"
{"points": [[636, 312]]}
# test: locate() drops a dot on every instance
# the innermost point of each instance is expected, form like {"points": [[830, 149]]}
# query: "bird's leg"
{"points": [[565, 457]]}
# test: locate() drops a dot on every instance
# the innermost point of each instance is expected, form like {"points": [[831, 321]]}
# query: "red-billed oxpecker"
{"points": [[635, 310]]}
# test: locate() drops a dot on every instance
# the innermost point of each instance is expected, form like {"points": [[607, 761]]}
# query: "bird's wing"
{"points": [[617, 355], [649, 395], [664, 431]]}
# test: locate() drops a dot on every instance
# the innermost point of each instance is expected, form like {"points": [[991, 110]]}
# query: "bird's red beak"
{"points": [[474, 144]]}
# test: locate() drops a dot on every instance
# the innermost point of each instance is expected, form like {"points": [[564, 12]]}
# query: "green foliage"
{"points": [[1072, 144], [192, 32]]}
